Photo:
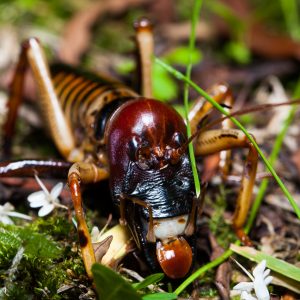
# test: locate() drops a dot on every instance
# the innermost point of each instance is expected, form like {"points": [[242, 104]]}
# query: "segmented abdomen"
{"points": [[83, 95]]}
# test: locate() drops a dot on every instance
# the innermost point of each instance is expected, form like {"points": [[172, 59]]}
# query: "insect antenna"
{"points": [[205, 125], [252, 109]]}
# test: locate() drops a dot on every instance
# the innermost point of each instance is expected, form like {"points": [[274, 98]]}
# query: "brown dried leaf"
{"points": [[102, 247], [259, 39], [77, 36], [223, 274], [270, 44]]}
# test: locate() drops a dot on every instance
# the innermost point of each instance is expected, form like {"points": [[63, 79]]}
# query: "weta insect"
{"points": [[106, 130]]}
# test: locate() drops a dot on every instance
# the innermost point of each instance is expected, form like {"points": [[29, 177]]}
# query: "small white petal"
{"points": [[39, 181], [45, 210], [268, 280], [36, 196], [56, 190], [95, 234], [266, 273], [246, 296], [38, 203], [18, 215], [259, 269], [260, 289], [6, 220], [8, 207], [244, 286]]}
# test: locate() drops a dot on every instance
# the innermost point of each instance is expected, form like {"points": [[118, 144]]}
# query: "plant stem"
{"points": [[195, 16], [290, 12], [228, 252], [277, 146], [220, 259], [180, 76]]}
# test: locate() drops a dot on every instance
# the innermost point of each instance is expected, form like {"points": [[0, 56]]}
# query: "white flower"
{"points": [[7, 211], [95, 234], [260, 280], [47, 201]]}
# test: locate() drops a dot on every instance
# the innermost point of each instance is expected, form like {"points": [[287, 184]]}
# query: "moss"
{"points": [[48, 260], [58, 226], [217, 223]]}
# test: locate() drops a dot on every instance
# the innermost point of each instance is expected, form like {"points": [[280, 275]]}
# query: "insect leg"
{"points": [[33, 55], [84, 173], [16, 89], [29, 167], [222, 94], [145, 45], [150, 234], [197, 208], [213, 141]]}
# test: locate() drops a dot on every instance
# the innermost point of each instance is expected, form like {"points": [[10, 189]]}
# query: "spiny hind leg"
{"points": [[213, 141], [32, 55]]}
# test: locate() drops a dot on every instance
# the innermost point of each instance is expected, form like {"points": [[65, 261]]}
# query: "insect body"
{"points": [[144, 142], [142, 139], [108, 131]]}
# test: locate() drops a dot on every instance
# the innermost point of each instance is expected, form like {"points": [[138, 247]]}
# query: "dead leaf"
{"points": [[102, 247], [77, 35]]}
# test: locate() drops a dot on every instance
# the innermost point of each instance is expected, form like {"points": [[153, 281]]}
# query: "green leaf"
{"points": [[273, 263], [181, 109], [151, 279], [181, 56], [238, 52], [27, 4], [125, 67], [164, 86], [160, 296], [111, 286]]}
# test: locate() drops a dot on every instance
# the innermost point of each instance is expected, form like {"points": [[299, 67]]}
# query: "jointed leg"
{"points": [[16, 91], [145, 45], [197, 206], [84, 173], [123, 198], [30, 167], [214, 141], [222, 94], [32, 55]]}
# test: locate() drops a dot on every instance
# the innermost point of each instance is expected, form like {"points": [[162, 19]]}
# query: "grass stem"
{"points": [[195, 17]]}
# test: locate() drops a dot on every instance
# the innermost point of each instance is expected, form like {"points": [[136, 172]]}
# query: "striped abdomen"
{"points": [[83, 95]]}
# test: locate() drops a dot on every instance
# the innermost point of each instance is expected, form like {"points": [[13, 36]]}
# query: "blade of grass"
{"points": [[291, 16], [228, 252], [181, 77], [195, 16], [274, 154], [273, 263], [203, 269]]}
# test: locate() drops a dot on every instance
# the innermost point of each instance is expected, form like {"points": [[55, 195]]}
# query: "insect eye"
{"points": [[133, 147], [178, 139]]}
